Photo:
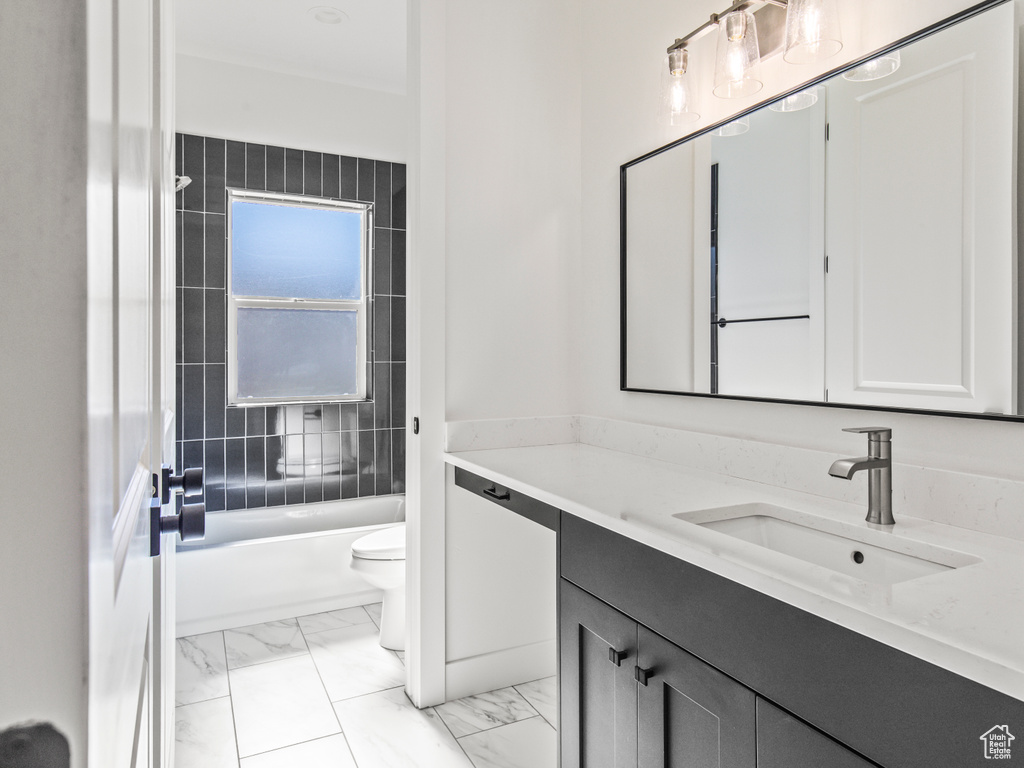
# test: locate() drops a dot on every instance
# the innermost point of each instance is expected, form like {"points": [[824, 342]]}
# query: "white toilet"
{"points": [[379, 557]]}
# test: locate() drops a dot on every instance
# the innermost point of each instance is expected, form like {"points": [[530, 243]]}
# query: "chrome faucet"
{"points": [[878, 463]]}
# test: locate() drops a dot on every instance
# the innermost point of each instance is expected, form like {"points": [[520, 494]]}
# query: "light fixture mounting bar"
{"points": [[712, 22]]}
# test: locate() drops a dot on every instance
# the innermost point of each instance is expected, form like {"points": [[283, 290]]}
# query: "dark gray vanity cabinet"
{"points": [[785, 742]]}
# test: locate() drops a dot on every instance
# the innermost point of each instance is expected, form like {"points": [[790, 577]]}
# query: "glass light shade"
{"points": [[812, 31], [738, 64], [678, 95], [883, 66], [796, 101], [735, 128]]}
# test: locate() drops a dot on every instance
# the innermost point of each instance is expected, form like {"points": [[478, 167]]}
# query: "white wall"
{"points": [[619, 93], [230, 101], [513, 222]]}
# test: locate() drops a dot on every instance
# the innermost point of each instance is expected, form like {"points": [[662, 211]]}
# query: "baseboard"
{"points": [[500, 669], [201, 625]]}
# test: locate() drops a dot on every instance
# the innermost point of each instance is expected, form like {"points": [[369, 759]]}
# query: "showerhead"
{"points": [[180, 182]]}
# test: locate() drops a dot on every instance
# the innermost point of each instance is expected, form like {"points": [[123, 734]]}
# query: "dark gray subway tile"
{"points": [[235, 418], [367, 470], [364, 418], [179, 248], [398, 263], [381, 261], [275, 170], [398, 209], [255, 421], [398, 328], [382, 396], [234, 468], [215, 399], [213, 475], [275, 469], [382, 462], [215, 325], [398, 461], [235, 165], [312, 173], [255, 473], [313, 470], [365, 179], [193, 166], [215, 175], [381, 328], [179, 400], [193, 246], [192, 402], [348, 416], [255, 167], [382, 194], [332, 466], [179, 324], [349, 464], [215, 246], [331, 177], [294, 420], [331, 417], [312, 418], [295, 463], [349, 178], [293, 171], [275, 419], [398, 412]]}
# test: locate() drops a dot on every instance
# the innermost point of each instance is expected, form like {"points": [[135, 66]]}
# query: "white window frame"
{"points": [[361, 306]]}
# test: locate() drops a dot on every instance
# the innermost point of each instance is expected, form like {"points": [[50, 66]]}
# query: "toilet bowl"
{"points": [[379, 558]]}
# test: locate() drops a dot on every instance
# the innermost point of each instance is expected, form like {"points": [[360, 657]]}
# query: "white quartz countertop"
{"points": [[969, 620]]}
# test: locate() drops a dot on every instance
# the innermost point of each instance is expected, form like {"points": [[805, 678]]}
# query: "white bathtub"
{"points": [[268, 564]]}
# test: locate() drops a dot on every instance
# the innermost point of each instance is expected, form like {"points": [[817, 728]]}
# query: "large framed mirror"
{"points": [[852, 243]]}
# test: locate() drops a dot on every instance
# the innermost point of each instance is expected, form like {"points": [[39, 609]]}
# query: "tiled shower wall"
{"points": [[269, 456]]}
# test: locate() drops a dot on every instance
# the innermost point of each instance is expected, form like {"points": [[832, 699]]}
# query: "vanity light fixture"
{"points": [[876, 69], [812, 34], [796, 101], [734, 128], [678, 101]]}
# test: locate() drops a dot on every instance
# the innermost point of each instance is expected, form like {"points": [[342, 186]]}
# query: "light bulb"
{"points": [[737, 67], [678, 100], [812, 31]]}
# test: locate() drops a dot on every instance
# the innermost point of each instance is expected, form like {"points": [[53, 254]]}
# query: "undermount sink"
{"points": [[866, 554]]}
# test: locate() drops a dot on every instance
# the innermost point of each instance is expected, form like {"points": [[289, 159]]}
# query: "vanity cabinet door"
{"points": [[690, 714], [785, 742], [597, 656]]}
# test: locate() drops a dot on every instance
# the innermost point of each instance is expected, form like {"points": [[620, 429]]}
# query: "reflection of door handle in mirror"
{"points": [[189, 522]]}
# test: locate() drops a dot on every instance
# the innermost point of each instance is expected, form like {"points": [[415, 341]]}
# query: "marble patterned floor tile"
{"points": [[201, 671], [543, 695], [526, 744], [352, 662], [385, 730], [484, 711], [346, 617], [329, 752], [279, 703], [258, 643], [374, 610], [204, 735]]}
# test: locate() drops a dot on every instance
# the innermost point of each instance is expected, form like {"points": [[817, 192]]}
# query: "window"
{"points": [[297, 298]]}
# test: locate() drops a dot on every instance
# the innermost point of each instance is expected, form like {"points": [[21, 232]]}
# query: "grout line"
{"points": [[231, 698], [320, 676]]}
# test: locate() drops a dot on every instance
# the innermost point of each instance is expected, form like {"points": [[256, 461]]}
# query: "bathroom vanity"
{"points": [[682, 644]]}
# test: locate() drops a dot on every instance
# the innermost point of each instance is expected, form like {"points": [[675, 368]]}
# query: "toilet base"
{"points": [[392, 619]]}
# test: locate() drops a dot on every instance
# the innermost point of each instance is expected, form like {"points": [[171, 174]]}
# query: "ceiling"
{"points": [[366, 48]]}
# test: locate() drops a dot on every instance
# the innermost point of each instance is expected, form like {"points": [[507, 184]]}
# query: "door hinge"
{"points": [[415, 425], [826, 131], [826, 264]]}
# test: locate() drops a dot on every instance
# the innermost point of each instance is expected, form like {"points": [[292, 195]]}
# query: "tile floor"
{"points": [[319, 692]]}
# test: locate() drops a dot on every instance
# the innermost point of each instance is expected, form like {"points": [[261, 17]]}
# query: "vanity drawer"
{"points": [[517, 502]]}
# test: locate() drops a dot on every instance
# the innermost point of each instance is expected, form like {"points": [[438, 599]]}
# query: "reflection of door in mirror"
{"points": [[767, 334], [920, 226]]}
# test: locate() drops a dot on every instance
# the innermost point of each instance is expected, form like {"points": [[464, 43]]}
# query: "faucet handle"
{"points": [[873, 433]]}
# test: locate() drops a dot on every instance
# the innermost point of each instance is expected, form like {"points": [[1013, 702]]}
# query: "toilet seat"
{"points": [[387, 544]]}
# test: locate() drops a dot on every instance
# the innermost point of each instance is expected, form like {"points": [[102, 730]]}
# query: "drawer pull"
{"points": [[493, 493], [642, 675], [616, 657]]}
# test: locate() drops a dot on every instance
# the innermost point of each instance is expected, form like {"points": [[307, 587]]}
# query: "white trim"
{"points": [[500, 669]]}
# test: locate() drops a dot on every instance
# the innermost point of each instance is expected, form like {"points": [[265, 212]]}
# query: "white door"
{"points": [[130, 381], [920, 287]]}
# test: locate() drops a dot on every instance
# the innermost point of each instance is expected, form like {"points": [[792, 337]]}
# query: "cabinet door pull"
{"points": [[642, 675], [616, 657], [493, 493]]}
